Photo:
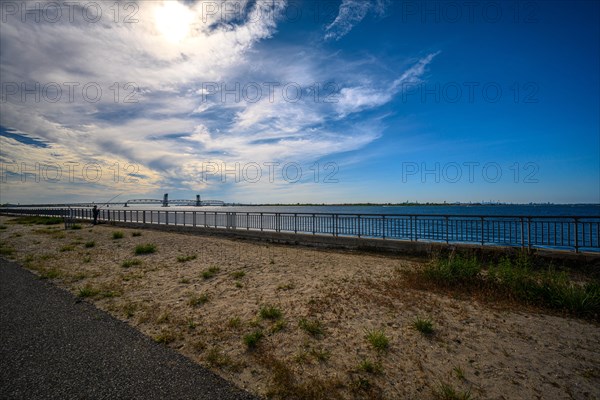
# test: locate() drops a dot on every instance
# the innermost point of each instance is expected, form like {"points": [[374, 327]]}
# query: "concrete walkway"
{"points": [[54, 347]]}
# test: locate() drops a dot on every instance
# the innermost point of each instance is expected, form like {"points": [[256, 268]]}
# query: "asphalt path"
{"points": [[54, 346]]}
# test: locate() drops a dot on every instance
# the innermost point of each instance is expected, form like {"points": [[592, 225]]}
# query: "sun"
{"points": [[173, 20]]}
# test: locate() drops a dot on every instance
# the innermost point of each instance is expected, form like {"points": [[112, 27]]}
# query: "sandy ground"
{"points": [[492, 353]]}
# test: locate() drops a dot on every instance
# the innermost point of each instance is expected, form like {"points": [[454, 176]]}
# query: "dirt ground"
{"points": [[487, 352]]}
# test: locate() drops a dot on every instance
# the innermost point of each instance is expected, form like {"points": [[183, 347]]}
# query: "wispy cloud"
{"points": [[351, 13]]}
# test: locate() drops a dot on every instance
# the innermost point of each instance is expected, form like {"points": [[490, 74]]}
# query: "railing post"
{"points": [[447, 229], [359, 227], [529, 233], [576, 235], [194, 218], [166, 217], [335, 225], [383, 227], [295, 223], [261, 222], [522, 234], [416, 228], [313, 225], [482, 232]]}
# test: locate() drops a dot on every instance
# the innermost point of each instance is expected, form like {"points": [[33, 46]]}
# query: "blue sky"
{"points": [[301, 101]]}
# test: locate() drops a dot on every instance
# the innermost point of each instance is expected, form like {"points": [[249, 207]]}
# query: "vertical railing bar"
{"points": [[576, 235]]}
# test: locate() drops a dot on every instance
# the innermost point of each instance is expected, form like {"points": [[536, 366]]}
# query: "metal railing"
{"points": [[552, 232]]}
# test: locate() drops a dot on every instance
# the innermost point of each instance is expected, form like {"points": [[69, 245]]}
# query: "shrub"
{"points": [[453, 270]]}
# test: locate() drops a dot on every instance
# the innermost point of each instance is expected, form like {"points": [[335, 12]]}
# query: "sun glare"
{"points": [[173, 20]]}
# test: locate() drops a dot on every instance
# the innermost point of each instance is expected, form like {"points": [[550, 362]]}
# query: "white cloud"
{"points": [[358, 98], [177, 124], [351, 13]]}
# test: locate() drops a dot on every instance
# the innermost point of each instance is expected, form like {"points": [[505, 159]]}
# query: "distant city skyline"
{"points": [[345, 101]]}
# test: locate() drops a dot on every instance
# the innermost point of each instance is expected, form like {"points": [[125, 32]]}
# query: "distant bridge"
{"points": [[193, 203], [165, 202]]}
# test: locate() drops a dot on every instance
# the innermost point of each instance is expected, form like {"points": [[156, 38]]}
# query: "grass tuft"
{"points": [[270, 312], [238, 274], [136, 234], [183, 259], [460, 373], [278, 326], [148, 248], [234, 323], [131, 263], [51, 273], [378, 339], [209, 273], [197, 300], [312, 327], [6, 250], [165, 337], [370, 367], [88, 291], [89, 244], [423, 325], [251, 340], [447, 392], [117, 235], [217, 359]]}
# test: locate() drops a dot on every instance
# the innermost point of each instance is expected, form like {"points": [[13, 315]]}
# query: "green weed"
{"points": [[378, 339], [148, 248]]}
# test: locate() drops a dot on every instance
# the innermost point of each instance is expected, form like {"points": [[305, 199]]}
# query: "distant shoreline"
{"points": [[429, 204]]}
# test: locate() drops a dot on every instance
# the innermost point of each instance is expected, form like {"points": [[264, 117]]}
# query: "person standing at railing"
{"points": [[95, 213]]}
